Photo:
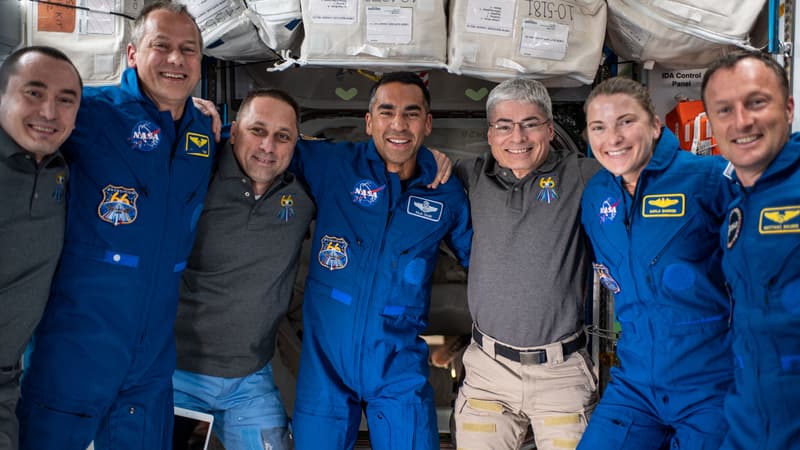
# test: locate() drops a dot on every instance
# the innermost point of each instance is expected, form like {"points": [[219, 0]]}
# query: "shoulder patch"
{"points": [[118, 206], [198, 144], [664, 205], [425, 208], [779, 220]]}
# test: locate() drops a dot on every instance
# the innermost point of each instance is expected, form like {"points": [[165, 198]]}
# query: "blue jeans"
{"points": [[248, 412]]}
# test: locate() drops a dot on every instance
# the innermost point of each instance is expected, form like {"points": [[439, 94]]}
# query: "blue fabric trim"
{"points": [[341, 296], [704, 320], [121, 259], [179, 267], [393, 310]]}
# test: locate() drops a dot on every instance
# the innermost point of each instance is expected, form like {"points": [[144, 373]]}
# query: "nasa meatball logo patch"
{"points": [[145, 136], [608, 210], [734, 226], [366, 192]]}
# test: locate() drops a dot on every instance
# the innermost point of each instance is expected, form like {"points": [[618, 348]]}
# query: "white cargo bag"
{"points": [[370, 34], [278, 21], [94, 40], [500, 39], [652, 30], [725, 22], [228, 32]]}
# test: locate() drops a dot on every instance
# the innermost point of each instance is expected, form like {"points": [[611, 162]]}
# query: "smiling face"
{"points": [[750, 116], [398, 123], [263, 139], [40, 102], [622, 134], [167, 59], [524, 146]]}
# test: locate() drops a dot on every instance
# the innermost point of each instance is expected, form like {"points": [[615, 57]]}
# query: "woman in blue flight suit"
{"points": [[653, 217]]}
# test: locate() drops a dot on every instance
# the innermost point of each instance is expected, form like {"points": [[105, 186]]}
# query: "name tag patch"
{"points": [[425, 208], [197, 144], [779, 220], [664, 205]]}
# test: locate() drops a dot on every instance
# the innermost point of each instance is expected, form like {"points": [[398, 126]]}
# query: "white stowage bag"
{"points": [[245, 31], [278, 21], [500, 39], [374, 34], [94, 40], [680, 34]]}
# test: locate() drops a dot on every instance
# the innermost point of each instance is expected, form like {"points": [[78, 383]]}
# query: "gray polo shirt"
{"points": [[239, 277], [31, 236], [529, 267]]}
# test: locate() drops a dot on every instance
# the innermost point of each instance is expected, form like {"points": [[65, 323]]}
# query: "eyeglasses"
{"points": [[504, 127]]}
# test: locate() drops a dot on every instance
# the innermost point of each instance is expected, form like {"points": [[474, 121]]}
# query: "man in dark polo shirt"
{"points": [[40, 91], [528, 278], [239, 277]]}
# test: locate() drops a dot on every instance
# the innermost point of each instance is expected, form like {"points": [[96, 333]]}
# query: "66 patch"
{"points": [[333, 252], [118, 206]]}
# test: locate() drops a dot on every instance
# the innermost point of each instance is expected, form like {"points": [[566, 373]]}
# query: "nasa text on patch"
{"points": [[664, 205], [779, 220], [425, 208], [197, 144]]}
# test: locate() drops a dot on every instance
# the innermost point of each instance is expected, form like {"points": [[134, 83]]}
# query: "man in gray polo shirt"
{"points": [[239, 277], [528, 278], [40, 91]]}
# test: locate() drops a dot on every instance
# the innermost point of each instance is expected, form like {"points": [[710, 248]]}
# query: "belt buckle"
{"points": [[533, 357]]}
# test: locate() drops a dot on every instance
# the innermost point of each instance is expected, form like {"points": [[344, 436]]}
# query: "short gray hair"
{"points": [[520, 90], [137, 32]]}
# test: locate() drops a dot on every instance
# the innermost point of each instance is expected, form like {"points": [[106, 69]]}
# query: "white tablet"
{"points": [[196, 417]]}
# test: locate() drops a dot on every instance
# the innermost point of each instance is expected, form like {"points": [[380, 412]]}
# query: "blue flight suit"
{"points": [[105, 351], [367, 297], [761, 240], [658, 251]]}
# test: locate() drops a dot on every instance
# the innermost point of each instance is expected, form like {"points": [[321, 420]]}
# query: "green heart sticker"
{"points": [[476, 95], [346, 94]]}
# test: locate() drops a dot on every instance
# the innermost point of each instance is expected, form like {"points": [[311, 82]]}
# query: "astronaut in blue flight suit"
{"points": [[140, 159], [653, 218], [368, 288], [748, 104]]}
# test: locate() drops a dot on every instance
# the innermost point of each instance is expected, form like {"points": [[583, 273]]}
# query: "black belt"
{"points": [[530, 356]]}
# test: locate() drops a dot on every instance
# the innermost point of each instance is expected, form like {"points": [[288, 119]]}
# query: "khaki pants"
{"points": [[500, 397]]}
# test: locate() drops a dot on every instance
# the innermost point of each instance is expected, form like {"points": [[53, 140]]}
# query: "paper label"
{"points": [[543, 39], [389, 25], [334, 11], [495, 17], [56, 19]]}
